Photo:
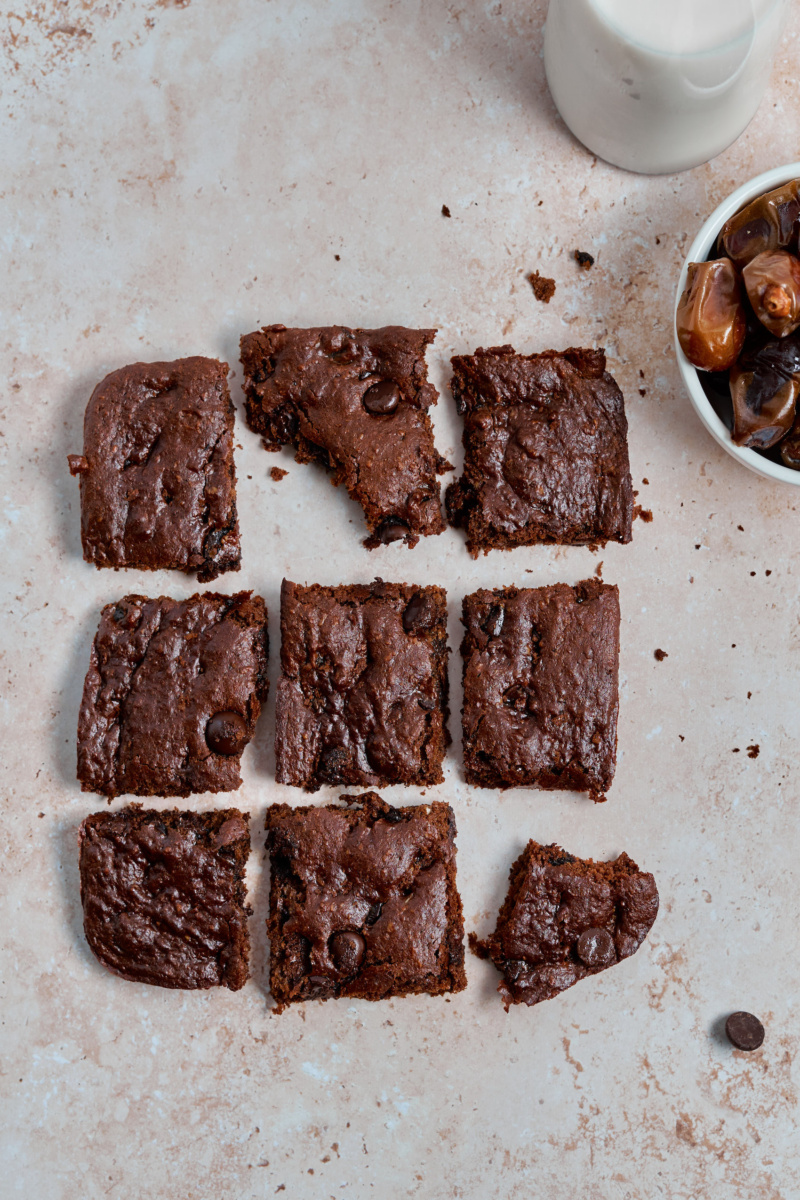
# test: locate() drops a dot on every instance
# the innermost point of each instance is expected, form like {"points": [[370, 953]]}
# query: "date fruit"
{"points": [[765, 385], [772, 280], [770, 222], [711, 319]]}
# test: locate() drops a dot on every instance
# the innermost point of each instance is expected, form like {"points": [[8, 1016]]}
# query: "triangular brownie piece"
{"points": [[565, 918]]}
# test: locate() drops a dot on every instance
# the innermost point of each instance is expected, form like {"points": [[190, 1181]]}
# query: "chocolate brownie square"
{"points": [[157, 477], [565, 918], [540, 687], [172, 695], [362, 698], [363, 901], [356, 401], [546, 444], [163, 895]]}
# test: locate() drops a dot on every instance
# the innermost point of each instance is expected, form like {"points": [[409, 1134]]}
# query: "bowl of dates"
{"points": [[737, 324]]}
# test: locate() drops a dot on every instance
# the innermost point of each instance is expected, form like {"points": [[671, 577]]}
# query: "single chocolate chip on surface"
{"points": [[420, 613], [595, 948], [382, 398], [347, 951], [391, 530], [226, 733], [744, 1031]]}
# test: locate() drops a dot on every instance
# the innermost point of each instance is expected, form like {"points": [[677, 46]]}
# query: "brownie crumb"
{"points": [[598, 571], [660, 655], [753, 751], [338, 257], [445, 211], [276, 474], [543, 288], [646, 515], [585, 261]]}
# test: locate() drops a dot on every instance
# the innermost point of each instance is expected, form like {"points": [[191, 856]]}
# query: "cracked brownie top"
{"points": [[172, 695], [157, 477], [356, 401], [362, 698], [540, 686], [163, 895], [363, 901]]}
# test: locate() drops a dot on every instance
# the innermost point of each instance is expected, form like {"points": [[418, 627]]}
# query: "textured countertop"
{"points": [[173, 175]]}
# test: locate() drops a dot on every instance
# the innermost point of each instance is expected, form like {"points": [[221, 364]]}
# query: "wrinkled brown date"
{"points": [[711, 320], [770, 222], [772, 280], [790, 447], [765, 385]]}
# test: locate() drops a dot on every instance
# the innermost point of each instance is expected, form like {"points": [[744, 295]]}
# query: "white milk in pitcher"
{"points": [[660, 85]]}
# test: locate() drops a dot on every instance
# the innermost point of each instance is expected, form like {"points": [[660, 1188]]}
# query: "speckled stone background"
{"points": [[172, 175]]}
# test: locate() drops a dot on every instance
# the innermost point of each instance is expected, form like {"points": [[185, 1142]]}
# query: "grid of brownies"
{"points": [[363, 899]]}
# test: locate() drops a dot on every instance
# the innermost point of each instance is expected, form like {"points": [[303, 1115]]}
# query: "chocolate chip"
{"points": [[493, 624], [382, 398], [230, 831], [595, 948], [517, 697], [744, 1031], [427, 703], [391, 530], [226, 733], [331, 764], [373, 914], [419, 614], [347, 951]]}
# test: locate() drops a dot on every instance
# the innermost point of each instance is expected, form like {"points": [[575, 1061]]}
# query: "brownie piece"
{"points": [[540, 687], [356, 401], [172, 695], [362, 698], [363, 901], [565, 918], [163, 895], [546, 444], [157, 477]]}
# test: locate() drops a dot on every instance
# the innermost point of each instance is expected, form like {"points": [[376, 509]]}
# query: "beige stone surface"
{"points": [[174, 174]]}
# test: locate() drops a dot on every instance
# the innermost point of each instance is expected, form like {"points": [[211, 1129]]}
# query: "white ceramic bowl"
{"points": [[698, 252]]}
